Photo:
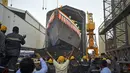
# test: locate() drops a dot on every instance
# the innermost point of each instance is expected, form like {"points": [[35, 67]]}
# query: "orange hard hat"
{"points": [[3, 28]]}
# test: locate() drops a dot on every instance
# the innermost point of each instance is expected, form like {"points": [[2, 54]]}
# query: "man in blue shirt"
{"points": [[104, 67], [27, 66]]}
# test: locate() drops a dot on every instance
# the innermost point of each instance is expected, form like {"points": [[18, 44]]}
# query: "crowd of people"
{"points": [[10, 46], [69, 64]]}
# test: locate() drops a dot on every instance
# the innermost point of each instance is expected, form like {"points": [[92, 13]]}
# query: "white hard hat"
{"points": [[108, 61]]}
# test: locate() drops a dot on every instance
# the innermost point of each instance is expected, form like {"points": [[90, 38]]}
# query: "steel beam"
{"points": [[125, 12]]}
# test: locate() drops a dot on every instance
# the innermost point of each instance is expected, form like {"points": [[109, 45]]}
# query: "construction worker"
{"points": [[85, 58], [13, 45], [3, 29], [74, 65], [2, 43], [103, 56], [84, 64], [51, 68], [61, 66], [2, 47]]}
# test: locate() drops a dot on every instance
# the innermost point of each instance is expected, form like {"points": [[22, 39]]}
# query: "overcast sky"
{"points": [[35, 8]]}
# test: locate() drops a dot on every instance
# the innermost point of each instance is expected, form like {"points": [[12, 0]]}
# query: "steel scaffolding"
{"points": [[115, 28]]}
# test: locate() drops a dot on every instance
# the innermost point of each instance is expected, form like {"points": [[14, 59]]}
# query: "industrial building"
{"points": [[114, 32], [27, 24]]}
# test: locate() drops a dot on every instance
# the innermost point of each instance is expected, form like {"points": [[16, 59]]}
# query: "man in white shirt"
{"points": [[104, 67], [61, 66]]}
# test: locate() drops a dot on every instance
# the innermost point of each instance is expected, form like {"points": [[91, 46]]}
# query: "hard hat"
{"points": [[84, 57], [50, 61], [108, 61], [3, 28], [72, 57], [104, 59], [61, 59]]}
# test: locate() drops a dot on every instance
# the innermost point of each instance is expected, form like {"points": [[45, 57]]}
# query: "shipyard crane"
{"points": [[91, 41]]}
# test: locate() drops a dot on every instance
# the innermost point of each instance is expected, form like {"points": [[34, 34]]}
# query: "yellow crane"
{"points": [[91, 41]]}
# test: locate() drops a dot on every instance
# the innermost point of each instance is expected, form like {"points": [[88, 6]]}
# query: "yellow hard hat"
{"points": [[84, 57], [61, 59], [104, 59], [50, 61], [72, 57], [3, 28]]}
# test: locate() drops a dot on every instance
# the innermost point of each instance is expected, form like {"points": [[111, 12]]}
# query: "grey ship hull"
{"points": [[60, 34]]}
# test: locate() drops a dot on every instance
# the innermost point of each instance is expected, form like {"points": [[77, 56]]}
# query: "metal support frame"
{"points": [[102, 39], [115, 15], [120, 46]]}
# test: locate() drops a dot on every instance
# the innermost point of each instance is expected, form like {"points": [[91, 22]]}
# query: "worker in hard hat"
{"points": [[13, 45], [103, 56], [74, 66], [61, 66], [3, 29], [84, 59], [84, 64], [2, 48], [2, 41], [51, 68], [50, 61]]}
